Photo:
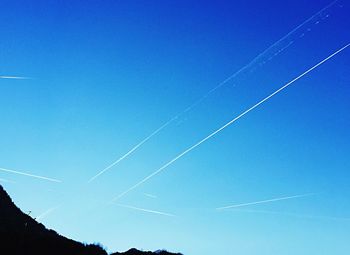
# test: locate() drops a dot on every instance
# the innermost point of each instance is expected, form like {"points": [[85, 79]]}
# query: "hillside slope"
{"points": [[20, 234]]}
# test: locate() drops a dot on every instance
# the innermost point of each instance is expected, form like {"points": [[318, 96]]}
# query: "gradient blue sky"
{"points": [[105, 74]]}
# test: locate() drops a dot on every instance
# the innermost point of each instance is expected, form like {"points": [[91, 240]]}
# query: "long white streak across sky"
{"points": [[30, 175], [145, 210], [293, 214], [263, 201], [194, 104], [14, 77], [258, 57], [229, 123]]}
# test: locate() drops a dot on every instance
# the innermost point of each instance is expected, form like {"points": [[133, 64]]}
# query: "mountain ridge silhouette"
{"points": [[21, 234]]}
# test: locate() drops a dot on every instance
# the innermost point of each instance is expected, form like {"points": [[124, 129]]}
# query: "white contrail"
{"points": [[133, 149], [150, 195], [229, 123], [47, 212], [259, 56], [292, 214], [30, 175], [264, 201], [14, 77], [146, 210], [7, 181], [190, 107]]}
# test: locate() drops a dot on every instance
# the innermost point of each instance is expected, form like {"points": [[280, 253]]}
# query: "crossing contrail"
{"points": [[14, 77], [30, 175], [146, 210], [201, 99], [229, 123], [263, 201]]}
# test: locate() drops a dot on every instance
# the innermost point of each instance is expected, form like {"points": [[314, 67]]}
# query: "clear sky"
{"points": [[103, 75]]}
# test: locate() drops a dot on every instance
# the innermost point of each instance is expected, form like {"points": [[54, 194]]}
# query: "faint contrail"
{"points": [[150, 195], [229, 123], [133, 149], [292, 214], [5, 180], [190, 107], [146, 210], [47, 212], [14, 77], [263, 201], [30, 175]]}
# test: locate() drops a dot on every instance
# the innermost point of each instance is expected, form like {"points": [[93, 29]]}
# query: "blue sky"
{"points": [[104, 75]]}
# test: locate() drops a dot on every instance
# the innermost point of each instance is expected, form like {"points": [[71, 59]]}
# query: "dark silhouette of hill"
{"points": [[137, 252], [20, 234]]}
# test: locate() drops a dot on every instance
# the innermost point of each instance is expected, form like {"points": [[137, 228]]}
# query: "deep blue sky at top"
{"points": [[105, 74]]}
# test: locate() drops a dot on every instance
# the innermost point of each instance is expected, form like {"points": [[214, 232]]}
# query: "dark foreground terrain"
{"points": [[22, 235]]}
